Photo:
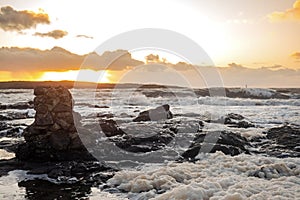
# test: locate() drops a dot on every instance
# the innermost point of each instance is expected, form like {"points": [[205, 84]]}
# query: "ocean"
{"points": [[267, 170]]}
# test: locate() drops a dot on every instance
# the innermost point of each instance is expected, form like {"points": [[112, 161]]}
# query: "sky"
{"points": [[249, 42]]}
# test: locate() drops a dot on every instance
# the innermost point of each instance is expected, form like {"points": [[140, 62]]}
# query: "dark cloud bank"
{"points": [[16, 60], [13, 20]]}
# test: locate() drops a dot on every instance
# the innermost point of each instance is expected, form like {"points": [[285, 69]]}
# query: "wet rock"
{"points": [[53, 135], [210, 142], [144, 144], [5, 118], [19, 106], [12, 132], [110, 128], [287, 135], [238, 121], [281, 141], [156, 114], [232, 120], [235, 116], [68, 169], [9, 165], [3, 126], [16, 115], [97, 106], [106, 115], [138, 143]]}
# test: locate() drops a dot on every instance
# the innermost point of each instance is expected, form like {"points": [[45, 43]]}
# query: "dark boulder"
{"points": [[156, 114], [19, 106], [283, 141], [144, 144], [288, 136], [156, 139], [110, 128], [210, 142], [233, 120], [53, 135]]}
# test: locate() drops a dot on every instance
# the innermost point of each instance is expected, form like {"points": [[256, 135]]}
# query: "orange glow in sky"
{"points": [[85, 75]]}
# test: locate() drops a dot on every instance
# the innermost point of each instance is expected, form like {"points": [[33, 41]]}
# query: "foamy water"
{"points": [[214, 176]]}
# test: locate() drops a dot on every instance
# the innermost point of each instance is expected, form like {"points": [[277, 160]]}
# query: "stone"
{"points": [[210, 142], [160, 113], [232, 120], [110, 128], [137, 144], [40, 91], [235, 116], [59, 141], [62, 108], [20, 106], [53, 135], [282, 141], [44, 119]]}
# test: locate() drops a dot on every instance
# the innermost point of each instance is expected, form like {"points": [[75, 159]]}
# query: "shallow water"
{"points": [[154, 175]]}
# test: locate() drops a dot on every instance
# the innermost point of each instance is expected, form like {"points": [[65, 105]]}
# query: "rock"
{"points": [[144, 144], [106, 115], [233, 120], [227, 142], [5, 118], [156, 114], [12, 132], [283, 141], [3, 126], [8, 165], [137, 144], [110, 128], [286, 135], [19, 106], [53, 135], [68, 179], [11, 115], [97, 106], [68, 169], [238, 121], [235, 116]]}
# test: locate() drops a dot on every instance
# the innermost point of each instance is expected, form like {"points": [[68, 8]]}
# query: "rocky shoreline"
{"points": [[52, 145]]}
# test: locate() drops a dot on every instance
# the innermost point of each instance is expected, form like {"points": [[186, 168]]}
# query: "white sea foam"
{"points": [[215, 176], [6, 155]]}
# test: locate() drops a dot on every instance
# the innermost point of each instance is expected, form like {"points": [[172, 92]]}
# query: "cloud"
{"points": [[56, 34], [85, 36], [234, 75], [29, 59], [296, 55], [290, 14], [235, 66], [16, 59], [152, 58], [13, 20], [111, 60], [274, 67], [182, 66], [274, 76]]}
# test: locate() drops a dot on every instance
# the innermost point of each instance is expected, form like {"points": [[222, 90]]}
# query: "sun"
{"points": [[86, 75]]}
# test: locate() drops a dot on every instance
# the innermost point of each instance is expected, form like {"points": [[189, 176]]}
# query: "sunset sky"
{"points": [[250, 42]]}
